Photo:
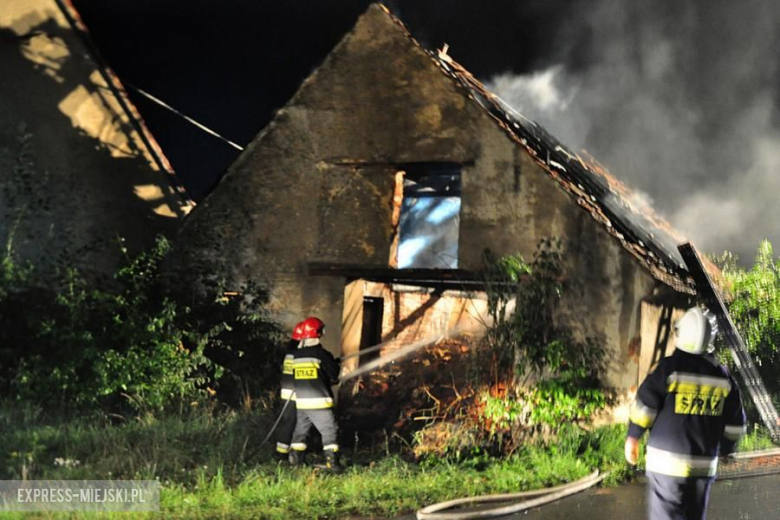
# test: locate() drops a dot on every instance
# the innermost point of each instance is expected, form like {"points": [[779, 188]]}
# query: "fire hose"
{"points": [[368, 367], [537, 498], [530, 499]]}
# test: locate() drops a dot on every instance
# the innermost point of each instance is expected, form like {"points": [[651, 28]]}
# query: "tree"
{"points": [[755, 308]]}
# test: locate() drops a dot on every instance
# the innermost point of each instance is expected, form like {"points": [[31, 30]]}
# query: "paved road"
{"points": [[749, 498]]}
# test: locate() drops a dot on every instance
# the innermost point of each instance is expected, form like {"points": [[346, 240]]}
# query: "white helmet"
{"points": [[696, 331]]}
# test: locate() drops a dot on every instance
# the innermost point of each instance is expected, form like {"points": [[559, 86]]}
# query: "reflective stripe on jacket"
{"points": [[287, 380], [679, 465]]}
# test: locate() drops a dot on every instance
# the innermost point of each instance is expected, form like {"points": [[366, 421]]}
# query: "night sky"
{"points": [[678, 99], [231, 64]]}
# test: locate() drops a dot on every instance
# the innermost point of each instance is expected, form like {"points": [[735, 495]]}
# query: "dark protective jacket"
{"points": [[693, 408], [287, 380], [315, 370]]}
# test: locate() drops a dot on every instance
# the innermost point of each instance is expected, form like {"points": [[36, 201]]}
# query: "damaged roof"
{"points": [[643, 233]]}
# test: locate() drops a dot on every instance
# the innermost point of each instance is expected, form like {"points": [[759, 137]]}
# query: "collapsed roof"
{"points": [[643, 233]]}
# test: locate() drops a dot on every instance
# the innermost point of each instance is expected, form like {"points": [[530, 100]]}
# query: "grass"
{"points": [[757, 439], [388, 487], [174, 447], [199, 456]]}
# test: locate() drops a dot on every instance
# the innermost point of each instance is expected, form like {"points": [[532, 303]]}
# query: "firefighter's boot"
{"points": [[332, 462], [296, 458], [281, 457]]}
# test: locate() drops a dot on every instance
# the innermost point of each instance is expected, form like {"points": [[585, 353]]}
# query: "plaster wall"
{"points": [[512, 204]]}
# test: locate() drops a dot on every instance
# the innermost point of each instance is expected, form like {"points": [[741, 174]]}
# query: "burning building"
{"points": [[372, 196]]}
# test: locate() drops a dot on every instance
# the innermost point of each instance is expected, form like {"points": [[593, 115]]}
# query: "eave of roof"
{"points": [[460, 279], [117, 88]]}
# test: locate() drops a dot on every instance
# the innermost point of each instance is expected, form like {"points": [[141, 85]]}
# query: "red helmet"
{"points": [[297, 333], [311, 327]]}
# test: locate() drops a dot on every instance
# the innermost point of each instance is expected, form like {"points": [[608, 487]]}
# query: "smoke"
{"points": [[679, 100]]}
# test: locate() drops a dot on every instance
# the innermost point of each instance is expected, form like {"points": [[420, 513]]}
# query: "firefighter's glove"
{"points": [[632, 450]]}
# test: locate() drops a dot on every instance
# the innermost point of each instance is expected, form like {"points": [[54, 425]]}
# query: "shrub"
{"points": [[755, 309], [242, 338], [131, 343], [563, 400], [94, 345]]}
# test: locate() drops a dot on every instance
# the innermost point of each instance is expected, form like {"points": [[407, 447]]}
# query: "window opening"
{"points": [[429, 220]]}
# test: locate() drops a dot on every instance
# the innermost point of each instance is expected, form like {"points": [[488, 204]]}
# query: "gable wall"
{"points": [[300, 194], [295, 196]]}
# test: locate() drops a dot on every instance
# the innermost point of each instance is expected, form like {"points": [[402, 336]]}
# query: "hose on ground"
{"points": [[273, 428], [369, 367], [433, 512]]}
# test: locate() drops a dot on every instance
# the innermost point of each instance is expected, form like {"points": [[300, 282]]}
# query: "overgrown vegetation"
{"points": [[546, 365], [529, 375], [201, 458], [129, 343], [755, 308]]}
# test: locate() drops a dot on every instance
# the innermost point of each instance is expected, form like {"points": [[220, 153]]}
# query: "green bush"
{"points": [[94, 345], [243, 338], [13, 275], [564, 399], [525, 342], [540, 361], [755, 309], [130, 343]]}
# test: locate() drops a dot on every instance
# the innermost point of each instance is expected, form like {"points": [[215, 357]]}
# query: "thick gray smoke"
{"points": [[680, 101]]}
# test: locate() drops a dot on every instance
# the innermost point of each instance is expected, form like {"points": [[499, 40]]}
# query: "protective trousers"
{"points": [[284, 431], [324, 421], [676, 498]]}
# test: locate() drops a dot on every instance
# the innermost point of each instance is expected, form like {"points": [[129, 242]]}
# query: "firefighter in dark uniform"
{"points": [[315, 370], [692, 406], [286, 426]]}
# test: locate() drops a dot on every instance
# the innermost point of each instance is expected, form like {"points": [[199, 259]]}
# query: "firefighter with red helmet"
{"points": [[692, 407], [286, 426], [315, 371]]}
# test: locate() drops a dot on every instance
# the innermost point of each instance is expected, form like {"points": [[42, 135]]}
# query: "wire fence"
{"points": [[751, 464]]}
